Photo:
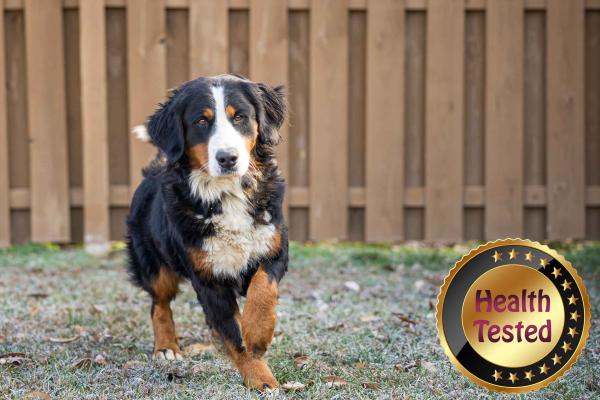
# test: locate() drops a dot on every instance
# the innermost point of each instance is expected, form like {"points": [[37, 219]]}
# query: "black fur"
{"points": [[163, 224]]}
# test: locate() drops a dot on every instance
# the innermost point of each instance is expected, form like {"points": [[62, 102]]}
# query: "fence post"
{"points": [[50, 214], [385, 121], [504, 120], [4, 164], [96, 216], [444, 116], [208, 38]]}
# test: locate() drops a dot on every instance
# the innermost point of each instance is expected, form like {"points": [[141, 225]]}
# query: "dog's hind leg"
{"points": [[164, 289]]}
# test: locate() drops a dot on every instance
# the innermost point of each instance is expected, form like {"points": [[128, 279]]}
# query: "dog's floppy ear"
{"points": [[275, 111], [165, 128]]}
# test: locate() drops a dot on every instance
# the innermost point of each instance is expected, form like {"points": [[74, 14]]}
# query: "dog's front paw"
{"points": [[168, 354], [258, 375]]}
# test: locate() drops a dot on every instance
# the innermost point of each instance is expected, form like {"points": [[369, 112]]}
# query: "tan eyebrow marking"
{"points": [[230, 110], [208, 113]]}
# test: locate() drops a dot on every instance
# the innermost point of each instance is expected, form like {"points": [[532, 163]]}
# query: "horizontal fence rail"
{"points": [[410, 120]]}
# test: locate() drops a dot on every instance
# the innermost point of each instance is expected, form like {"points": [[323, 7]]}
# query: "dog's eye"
{"points": [[238, 118], [202, 121]]}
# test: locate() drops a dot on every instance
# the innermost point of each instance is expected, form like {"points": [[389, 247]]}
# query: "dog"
{"points": [[209, 210]]}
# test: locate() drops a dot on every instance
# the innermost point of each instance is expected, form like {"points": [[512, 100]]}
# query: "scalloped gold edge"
{"points": [[517, 242]]}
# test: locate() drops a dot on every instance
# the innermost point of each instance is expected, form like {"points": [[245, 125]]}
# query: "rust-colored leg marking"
{"points": [[259, 318], [165, 339], [254, 370]]}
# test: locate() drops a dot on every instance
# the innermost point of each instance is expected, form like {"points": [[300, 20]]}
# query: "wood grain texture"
{"points": [[565, 119], [269, 61], [94, 123], [504, 120], [444, 115], [592, 123], [178, 47], [50, 219], [328, 122], [385, 121], [147, 74], [208, 38], [534, 115], [4, 163]]}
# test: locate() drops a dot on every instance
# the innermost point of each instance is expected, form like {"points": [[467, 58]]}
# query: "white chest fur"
{"points": [[238, 239]]}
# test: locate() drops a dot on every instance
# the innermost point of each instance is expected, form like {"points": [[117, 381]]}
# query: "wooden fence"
{"points": [[415, 119]]}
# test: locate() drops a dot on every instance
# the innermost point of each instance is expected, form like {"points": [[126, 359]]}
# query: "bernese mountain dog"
{"points": [[209, 210]]}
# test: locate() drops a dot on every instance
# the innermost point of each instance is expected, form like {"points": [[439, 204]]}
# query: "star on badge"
{"points": [[497, 256], [512, 254], [566, 346], [575, 316], [572, 299], [566, 285], [529, 257], [529, 375], [556, 273], [556, 359], [573, 332], [497, 375], [543, 262], [544, 369], [513, 377]]}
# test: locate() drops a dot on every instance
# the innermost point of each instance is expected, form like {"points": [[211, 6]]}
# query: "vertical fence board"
{"points": [[4, 163], [299, 117], [565, 119], [414, 118], [535, 118], [146, 74], [178, 44], [208, 37], [239, 34], [50, 218], [269, 61], [328, 110], [474, 159], [592, 123], [357, 111], [385, 121], [444, 130], [504, 120], [94, 124]]}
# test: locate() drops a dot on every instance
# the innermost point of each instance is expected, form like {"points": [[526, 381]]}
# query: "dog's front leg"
{"points": [[223, 315]]}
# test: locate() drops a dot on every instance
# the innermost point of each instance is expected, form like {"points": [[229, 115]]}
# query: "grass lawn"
{"points": [[355, 321]]}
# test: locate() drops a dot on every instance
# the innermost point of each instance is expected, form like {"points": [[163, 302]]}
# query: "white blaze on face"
{"points": [[225, 137]]}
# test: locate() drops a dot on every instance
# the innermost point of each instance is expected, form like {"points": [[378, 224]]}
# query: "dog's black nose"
{"points": [[227, 158]]}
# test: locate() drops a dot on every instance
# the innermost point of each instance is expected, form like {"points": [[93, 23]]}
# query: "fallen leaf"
{"points": [[63, 340], [334, 381], [36, 396], [361, 365], [97, 308], [429, 366], [300, 360], [196, 349], [15, 359], [38, 295], [100, 360], [33, 311], [404, 318], [293, 386], [406, 367], [336, 327], [371, 385], [351, 285], [83, 363], [132, 364], [368, 318]]}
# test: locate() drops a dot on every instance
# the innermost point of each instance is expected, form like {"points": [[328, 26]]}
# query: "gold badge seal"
{"points": [[513, 315]]}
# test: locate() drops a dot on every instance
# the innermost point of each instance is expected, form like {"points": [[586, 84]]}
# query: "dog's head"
{"points": [[217, 124]]}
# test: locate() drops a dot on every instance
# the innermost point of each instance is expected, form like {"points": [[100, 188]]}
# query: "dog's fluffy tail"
{"points": [[141, 132]]}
